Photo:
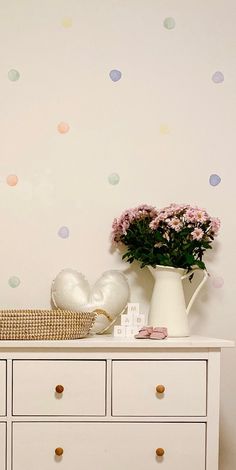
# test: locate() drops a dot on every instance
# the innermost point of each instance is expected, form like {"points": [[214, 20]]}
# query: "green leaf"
{"points": [[200, 264]]}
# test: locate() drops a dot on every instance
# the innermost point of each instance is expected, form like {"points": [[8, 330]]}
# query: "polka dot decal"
{"points": [[164, 129], [13, 75], [104, 104], [67, 22], [14, 281], [217, 282], [169, 23], [63, 232], [63, 127], [12, 180], [115, 75], [218, 77], [114, 179], [214, 180]]}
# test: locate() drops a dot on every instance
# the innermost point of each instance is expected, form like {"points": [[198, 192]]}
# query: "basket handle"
{"points": [[99, 311]]}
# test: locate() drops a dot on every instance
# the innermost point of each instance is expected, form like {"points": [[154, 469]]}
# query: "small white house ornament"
{"points": [[71, 290]]}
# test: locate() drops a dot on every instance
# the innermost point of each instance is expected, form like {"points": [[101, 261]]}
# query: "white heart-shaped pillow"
{"points": [[71, 291]]}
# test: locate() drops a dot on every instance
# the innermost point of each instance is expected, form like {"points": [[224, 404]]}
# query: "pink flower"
{"points": [[175, 223], [154, 223], [171, 210], [122, 224], [163, 215], [179, 226], [196, 215], [197, 233], [190, 215], [145, 208], [200, 215], [215, 225], [176, 208]]}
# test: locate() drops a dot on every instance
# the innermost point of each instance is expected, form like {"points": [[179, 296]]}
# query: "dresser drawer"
{"points": [[3, 388], [106, 446], [35, 382], [2, 446], [134, 386]]}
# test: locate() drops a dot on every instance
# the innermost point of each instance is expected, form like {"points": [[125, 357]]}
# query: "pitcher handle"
{"points": [[198, 288]]}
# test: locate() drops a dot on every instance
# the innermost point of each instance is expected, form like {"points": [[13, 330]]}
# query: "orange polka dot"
{"points": [[12, 180], [63, 127]]}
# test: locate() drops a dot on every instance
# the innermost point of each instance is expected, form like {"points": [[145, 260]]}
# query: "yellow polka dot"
{"points": [[67, 22], [164, 129]]}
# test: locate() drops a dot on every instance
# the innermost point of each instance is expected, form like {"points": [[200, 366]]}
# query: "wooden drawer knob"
{"points": [[59, 389], [59, 451], [160, 388], [160, 452]]}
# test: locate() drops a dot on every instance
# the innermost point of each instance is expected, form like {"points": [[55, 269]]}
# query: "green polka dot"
{"points": [[14, 281], [113, 178], [13, 75], [169, 23]]}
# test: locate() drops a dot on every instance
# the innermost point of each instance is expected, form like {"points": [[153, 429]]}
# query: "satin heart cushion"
{"points": [[71, 291]]}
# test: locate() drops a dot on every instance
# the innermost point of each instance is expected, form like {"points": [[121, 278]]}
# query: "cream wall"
{"points": [[164, 128]]}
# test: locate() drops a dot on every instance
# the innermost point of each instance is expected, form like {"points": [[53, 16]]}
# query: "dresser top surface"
{"points": [[110, 342]]}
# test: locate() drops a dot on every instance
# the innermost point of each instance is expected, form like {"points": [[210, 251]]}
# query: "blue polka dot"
{"points": [[63, 232], [115, 75], [214, 180], [218, 77]]}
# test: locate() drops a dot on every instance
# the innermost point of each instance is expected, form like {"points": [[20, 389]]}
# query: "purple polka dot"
{"points": [[218, 77], [217, 282], [214, 180], [63, 232], [115, 75]]}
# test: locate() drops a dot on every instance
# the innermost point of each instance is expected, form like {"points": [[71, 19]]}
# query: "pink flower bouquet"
{"points": [[177, 235]]}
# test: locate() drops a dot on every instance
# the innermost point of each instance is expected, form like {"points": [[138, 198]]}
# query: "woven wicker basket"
{"points": [[45, 324]]}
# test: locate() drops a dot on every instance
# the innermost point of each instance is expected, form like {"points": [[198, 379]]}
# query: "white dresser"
{"points": [[110, 404]]}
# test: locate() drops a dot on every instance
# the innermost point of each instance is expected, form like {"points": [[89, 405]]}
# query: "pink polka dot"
{"points": [[217, 282], [63, 127], [12, 180]]}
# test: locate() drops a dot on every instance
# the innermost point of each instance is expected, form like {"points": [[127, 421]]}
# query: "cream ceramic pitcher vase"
{"points": [[168, 307]]}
